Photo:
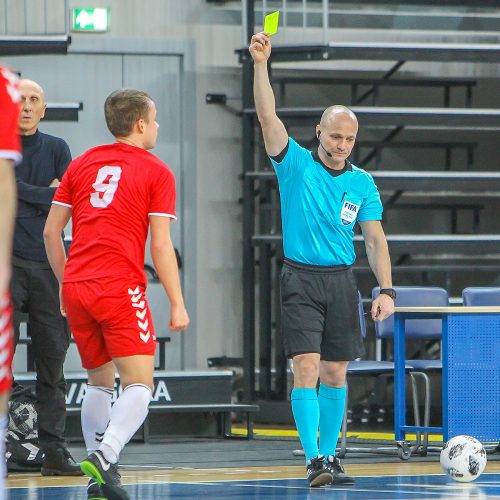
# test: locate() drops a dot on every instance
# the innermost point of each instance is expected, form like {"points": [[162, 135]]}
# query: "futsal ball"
{"points": [[463, 458]]}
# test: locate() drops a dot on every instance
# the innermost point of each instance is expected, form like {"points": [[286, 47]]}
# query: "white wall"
{"points": [[213, 139], [218, 138]]}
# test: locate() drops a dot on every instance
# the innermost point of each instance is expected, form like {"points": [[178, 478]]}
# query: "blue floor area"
{"points": [[373, 488]]}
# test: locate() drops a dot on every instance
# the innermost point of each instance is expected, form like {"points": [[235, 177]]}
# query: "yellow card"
{"points": [[271, 23]]}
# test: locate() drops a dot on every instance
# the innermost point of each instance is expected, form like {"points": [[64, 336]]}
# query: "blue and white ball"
{"points": [[463, 458]]}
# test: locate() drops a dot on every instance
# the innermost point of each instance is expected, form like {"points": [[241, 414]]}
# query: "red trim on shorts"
{"points": [[6, 344]]}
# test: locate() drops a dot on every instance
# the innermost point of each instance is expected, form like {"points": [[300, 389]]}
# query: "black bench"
{"points": [[196, 394], [222, 410], [63, 112], [15, 45]]}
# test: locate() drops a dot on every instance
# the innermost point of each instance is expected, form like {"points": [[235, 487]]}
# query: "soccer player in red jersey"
{"points": [[113, 194], [10, 152]]}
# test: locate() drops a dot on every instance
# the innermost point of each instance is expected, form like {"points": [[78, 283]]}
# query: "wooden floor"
{"points": [[395, 480]]}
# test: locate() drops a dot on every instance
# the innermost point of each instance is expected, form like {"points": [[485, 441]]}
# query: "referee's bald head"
{"points": [[337, 110]]}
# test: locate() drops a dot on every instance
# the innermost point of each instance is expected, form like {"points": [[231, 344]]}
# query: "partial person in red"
{"points": [[113, 194], [10, 153]]}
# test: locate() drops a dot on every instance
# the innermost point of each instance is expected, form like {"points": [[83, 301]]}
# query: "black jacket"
{"points": [[45, 158]]}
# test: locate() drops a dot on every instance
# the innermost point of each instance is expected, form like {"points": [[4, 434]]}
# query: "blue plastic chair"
{"points": [[414, 296], [375, 368], [481, 296], [419, 329]]}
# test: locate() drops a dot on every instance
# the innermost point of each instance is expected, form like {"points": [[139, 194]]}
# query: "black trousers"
{"points": [[35, 291]]}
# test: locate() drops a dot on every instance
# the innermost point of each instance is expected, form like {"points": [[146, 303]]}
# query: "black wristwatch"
{"points": [[389, 291]]}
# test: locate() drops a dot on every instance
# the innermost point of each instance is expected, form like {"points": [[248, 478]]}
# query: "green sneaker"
{"points": [[106, 475]]}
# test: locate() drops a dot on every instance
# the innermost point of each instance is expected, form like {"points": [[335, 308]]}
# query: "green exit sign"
{"points": [[91, 20]]}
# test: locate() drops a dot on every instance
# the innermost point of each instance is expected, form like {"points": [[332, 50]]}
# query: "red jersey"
{"points": [[112, 190], [10, 145]]}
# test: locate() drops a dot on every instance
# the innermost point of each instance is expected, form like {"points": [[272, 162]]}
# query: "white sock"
{"points": [[95, 415], [127, 415], [4, 420]]}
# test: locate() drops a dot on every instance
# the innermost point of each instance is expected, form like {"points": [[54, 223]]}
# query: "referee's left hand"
{"points": [[382, 307]]}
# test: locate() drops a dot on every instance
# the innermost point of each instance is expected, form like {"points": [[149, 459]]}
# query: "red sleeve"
{"points": [[63, 192], [10, 146], [163, 194]]}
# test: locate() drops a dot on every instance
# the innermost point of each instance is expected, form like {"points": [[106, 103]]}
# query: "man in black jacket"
{"points": [[34, 288]]}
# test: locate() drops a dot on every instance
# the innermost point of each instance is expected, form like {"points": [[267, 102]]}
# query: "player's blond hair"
{"points": [[123, 108]]}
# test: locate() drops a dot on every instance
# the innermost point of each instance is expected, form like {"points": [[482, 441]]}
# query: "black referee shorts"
{"points": [[319, 311]]}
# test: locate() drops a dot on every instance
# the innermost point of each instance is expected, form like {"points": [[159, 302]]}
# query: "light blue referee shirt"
{"points": [[319, 209]]}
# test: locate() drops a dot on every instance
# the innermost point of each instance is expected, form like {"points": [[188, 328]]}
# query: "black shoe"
{"points": [[317, 472], [94, 491], [57, 461], [106, 475], [334, 465]]}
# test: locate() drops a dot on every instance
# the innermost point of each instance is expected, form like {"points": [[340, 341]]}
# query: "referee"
{"points": [[323, 195]]}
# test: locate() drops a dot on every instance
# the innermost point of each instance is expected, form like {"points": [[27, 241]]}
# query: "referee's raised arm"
{"points": [[273, 130]]}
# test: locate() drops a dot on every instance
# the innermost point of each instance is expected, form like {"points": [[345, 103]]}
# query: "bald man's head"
{"points": [[32, 106], [337, 112]]}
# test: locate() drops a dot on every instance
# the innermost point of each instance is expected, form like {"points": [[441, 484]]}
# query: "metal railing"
{"points": [[316, 19], [302, 11]]}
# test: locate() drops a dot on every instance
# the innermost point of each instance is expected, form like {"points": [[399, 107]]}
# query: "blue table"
{"points": [[471, 371]]}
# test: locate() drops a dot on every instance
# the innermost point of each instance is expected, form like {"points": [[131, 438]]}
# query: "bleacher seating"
{"points": [[384, 51], [371, 153], [434, 181], [444, 118], [360, 92], [432, 251], [419, 243]]}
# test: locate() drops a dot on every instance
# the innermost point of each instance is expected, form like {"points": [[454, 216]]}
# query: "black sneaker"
{"points": [[94, 491], [106, 475], [57, 461], [334, 465], [317, 472]]}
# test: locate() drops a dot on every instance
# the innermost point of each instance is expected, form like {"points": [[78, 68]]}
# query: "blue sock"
{"points": [[331, 412], [305, 410]]}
